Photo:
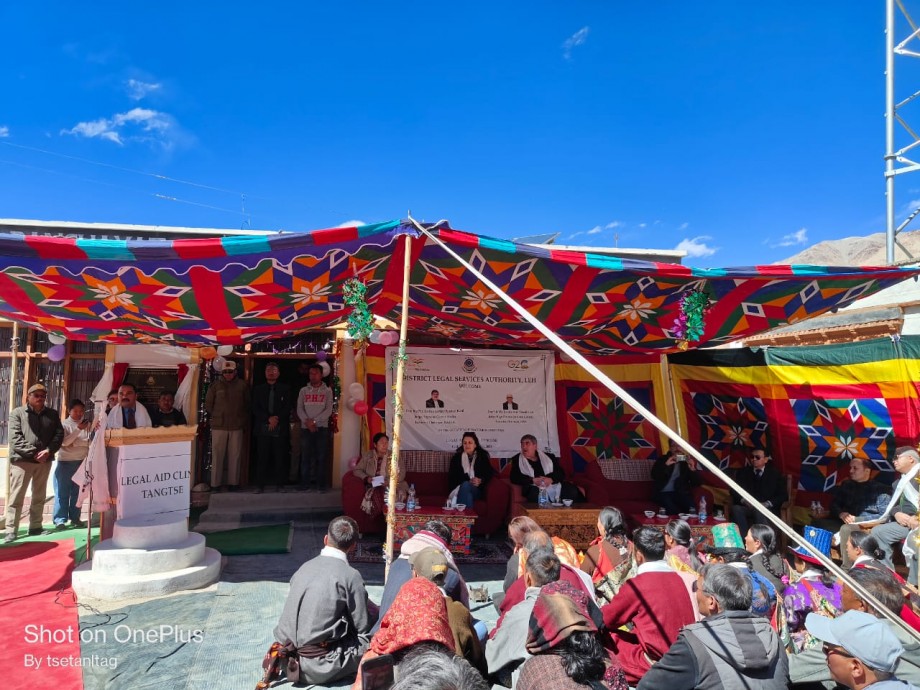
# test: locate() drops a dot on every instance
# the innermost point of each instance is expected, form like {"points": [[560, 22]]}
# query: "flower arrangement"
{"points": [[360, 320], [691, 321]]}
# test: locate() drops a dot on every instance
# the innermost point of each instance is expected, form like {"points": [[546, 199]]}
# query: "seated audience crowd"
{"points": [[644, 608]]}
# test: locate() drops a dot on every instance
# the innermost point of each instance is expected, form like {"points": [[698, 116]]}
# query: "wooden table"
{"points": [[577, 525], [702, 532], [460, 523]]}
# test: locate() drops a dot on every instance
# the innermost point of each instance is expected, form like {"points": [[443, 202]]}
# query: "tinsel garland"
{"points": [[360, 320], [690, 323]]}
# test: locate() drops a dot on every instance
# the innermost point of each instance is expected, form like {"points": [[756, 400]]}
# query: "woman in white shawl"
{"points": [[534, 469], [470, 470]]}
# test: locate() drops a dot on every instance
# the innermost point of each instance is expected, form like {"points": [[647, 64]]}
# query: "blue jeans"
{"points": [[468, 494], [313, 451], [65, 492]]}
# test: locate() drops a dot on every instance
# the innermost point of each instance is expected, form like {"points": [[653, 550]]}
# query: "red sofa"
{"points": [[428, 471]]}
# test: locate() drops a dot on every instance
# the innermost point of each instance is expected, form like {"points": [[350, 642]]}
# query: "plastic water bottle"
{"points": [[702, 514], [410, 501], [386, 495], [543, 498]]}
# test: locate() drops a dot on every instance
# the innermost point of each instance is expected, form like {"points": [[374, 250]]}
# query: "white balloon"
{"points": [[218, 363], [350, 403], [375, 337], [225, 350], [56, 339], [356, 390], [326, 368]]}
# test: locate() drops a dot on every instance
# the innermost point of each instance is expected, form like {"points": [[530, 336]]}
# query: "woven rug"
{"points": [[370, 550]]}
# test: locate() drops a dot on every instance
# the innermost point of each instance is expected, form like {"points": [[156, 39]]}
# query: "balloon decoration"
{"points": [[389, 338], [326, 368], [356, 391], [225, 350], [375, 337], [57, 352], [218, 363], [56, 339], [361, 408], [350, 403], [208, 353], [321, 356]]}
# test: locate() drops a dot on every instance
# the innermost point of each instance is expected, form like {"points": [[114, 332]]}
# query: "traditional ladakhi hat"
{"points": [[820, 539], [726, 536]]}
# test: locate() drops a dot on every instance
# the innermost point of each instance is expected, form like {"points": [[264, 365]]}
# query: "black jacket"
{"points": [[481, 464], [284, 403], [521, 479], [686, 480], [770, 487]]}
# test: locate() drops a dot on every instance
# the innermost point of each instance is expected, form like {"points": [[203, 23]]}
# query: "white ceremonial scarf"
{"points": [[469, 467], [545, 462], [905, 486]]}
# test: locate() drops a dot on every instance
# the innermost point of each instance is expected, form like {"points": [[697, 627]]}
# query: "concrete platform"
{"points": [[88, 583], [111, 560]]}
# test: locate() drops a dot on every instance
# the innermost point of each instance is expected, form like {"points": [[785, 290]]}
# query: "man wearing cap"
{"points": [[431, 564], [809, 667], [271, 416], [729, 648], [227, 403], [36, 435], [861, 650], [900, 516]]}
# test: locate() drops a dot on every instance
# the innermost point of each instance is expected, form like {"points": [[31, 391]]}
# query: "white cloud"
{"points": [[696, 247], [139, 89], [137, 124], [642, 225], [351, 224], [573, 41], [596, 230], [613, 225], [683, 226], [800, 236], [4, 131]]}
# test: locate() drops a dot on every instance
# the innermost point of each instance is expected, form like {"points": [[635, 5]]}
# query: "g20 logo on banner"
{"points": [[519, 364]]}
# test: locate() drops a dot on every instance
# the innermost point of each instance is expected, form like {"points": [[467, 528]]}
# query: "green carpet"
{"points": [[252, 540], [78, 535]]}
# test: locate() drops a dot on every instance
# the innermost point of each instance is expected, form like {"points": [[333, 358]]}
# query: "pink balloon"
{"points": [[361, 408], [57, 352]]}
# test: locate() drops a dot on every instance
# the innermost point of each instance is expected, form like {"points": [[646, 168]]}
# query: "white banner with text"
{"points": [[499, 394]]}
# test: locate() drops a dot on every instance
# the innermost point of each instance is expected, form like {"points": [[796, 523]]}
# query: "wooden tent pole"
{"points": [[617, 390], [14, 377], [397, 406]]}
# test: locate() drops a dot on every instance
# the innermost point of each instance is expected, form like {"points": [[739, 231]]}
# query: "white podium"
{"points": [[151, 552]]}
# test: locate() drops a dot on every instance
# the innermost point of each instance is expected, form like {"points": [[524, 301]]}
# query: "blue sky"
{"points": [[740, 132]]}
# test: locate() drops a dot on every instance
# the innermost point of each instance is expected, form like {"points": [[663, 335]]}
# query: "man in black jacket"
{"points": [[271, 410], [765, 483], [36, 435]]}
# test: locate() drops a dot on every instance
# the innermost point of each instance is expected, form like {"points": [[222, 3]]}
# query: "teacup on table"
{"points": [[649, 514], [567, 502], [460, 507]]}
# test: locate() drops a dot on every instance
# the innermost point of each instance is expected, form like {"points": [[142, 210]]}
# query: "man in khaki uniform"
{"points": [[227, 403], [36, 434]]}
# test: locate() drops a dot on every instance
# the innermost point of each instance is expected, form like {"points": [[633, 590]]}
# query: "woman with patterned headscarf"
{"points": [[563, 639], [417, 620]]}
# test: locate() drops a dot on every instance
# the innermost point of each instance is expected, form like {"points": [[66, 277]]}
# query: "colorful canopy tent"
{"points": [[243, 289]]}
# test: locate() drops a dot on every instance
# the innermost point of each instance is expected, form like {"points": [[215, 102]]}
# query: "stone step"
{"points": [[87, 583], [109, 559], [150, 531], [244, 509]]}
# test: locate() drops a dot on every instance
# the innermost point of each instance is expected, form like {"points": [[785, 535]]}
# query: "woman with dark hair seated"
{"points": [[863, 548], [417, 620], [563, 639], [374, 469], [681, 547], [610, 559], [470, 470], [760, 542]]}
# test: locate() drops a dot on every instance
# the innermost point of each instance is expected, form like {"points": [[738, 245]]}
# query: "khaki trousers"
{"points": [[21, 475], [226, 450]]}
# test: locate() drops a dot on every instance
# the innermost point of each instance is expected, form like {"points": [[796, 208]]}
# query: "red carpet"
{"points": [[40, 623]]}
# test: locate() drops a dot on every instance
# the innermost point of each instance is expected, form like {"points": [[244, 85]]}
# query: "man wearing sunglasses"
{"points": [[765, 483], [861, 650]]}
